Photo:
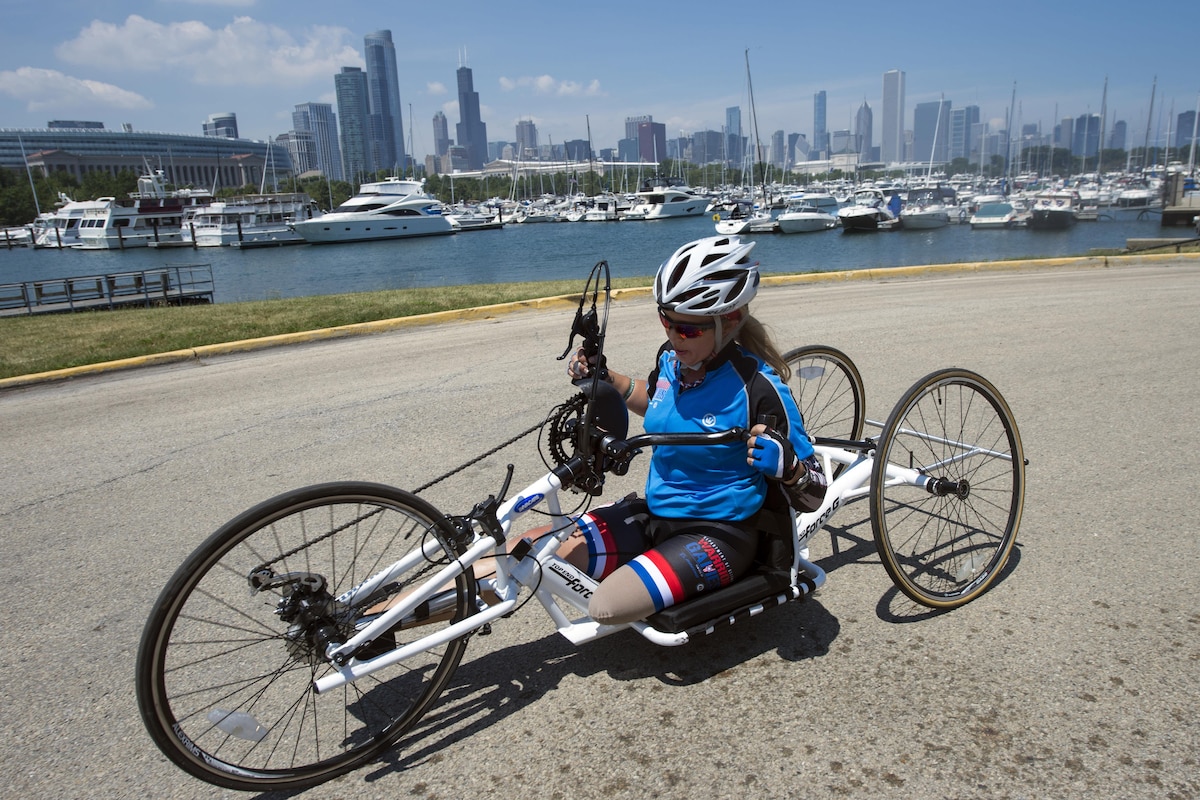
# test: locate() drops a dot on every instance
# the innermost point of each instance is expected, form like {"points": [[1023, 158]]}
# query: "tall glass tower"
{"points": [[820, 130], [891, 134], [350, 85], [387, 120], [733, 135], [471, 132], [319, 120], [864, 131]]}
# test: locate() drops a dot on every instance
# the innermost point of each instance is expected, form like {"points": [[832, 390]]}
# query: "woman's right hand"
{"points": [[579, 365]]}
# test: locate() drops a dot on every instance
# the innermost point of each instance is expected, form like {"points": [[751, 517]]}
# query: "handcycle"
{"points": [[309, 634]]}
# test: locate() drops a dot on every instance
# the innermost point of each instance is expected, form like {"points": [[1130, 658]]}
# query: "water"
{"points": [[565, 250]]}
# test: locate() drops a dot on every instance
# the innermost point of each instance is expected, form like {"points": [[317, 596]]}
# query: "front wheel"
{"points": [[947, 488], [228, 657]]}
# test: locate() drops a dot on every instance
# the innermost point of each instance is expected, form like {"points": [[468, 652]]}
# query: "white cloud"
{"points": [[243, 53], [435, 88], [548, 85], [48, 90]]}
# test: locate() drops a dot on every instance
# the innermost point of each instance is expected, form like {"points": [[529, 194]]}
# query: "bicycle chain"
{"points": [[418, 490]]}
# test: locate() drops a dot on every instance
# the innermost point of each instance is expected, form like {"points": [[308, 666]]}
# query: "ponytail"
{"points": [[753, 336]]}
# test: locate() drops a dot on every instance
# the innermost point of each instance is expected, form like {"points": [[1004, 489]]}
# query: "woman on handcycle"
{"points": [[698, 527]]}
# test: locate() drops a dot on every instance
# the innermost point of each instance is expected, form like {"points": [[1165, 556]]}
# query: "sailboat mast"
{"points": [[1149, 121], [1103, 115], [754, 122]]}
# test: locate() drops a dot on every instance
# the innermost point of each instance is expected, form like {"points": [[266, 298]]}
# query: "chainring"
{"points": [[562, 426]]}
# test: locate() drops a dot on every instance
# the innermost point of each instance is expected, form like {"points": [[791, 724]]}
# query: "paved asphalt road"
{"points": [[1077, 676]]}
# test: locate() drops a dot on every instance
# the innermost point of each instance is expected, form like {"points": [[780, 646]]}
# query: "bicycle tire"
{"points": [[215, 655], [829, 392], [945, 547]]}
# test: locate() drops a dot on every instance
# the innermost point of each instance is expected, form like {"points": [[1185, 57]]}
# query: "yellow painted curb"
{"points": [[565, 301]]}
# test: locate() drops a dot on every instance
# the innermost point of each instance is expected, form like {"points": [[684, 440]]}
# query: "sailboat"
{"points": [[758, 219]]}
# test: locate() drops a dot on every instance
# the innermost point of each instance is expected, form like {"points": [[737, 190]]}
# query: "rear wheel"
{"points": [[945, 533], [228, 657]]}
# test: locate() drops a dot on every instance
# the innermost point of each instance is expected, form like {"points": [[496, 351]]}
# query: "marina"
{"points": [[565, 251]]}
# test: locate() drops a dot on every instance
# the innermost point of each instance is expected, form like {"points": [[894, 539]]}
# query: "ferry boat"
{"points": [[151, 214], [249, 220], [387, 209]]}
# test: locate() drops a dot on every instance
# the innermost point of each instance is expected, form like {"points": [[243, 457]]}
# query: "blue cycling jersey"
{"points": [[714, 481]]}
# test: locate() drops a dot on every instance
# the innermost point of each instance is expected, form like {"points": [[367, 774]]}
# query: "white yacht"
{"points": [[660, 201], [59, 229], [925, 209], [387, 209], [808, 212], [868, 211], [249, 220], [150, 215], [1055, 209]]}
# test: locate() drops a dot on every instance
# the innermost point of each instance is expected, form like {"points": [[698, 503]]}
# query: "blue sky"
{"points": [[165, 65]]}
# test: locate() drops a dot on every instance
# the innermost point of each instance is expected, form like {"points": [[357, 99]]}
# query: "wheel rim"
{"points": [[946, 544], [225, 683], [828, 391]]}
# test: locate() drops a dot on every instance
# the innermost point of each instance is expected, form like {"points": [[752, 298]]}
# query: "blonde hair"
{"points": [[753, 336]]}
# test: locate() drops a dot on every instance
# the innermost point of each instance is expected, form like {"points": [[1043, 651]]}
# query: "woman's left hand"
{"points": [[770, 452]]}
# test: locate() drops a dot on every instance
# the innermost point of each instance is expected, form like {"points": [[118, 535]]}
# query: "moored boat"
{"points": [[151, 215], [992, 216], [666, 201], [804, 214], [387, 209], [249, 220], [925, 209], [868, 211], [1056, 209]]}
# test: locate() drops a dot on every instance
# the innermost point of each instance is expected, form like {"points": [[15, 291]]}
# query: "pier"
{"points": [[169, 285]]}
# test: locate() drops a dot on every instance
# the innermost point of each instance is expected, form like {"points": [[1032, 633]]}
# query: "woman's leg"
{"points": [[701, 558]]}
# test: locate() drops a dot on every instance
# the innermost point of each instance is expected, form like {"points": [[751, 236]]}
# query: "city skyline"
{"points": [[260, 63]]}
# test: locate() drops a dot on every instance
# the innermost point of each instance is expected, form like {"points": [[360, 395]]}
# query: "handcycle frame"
{"points": [[229, 688]]}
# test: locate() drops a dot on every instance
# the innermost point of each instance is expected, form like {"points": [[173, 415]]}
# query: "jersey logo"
{"points": [[710, 420]]}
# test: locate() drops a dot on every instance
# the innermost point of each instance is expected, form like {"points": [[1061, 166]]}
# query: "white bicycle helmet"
{"points": [[708, 277]]}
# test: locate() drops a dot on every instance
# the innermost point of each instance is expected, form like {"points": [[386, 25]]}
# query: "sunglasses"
{"points": [[686, 330]]}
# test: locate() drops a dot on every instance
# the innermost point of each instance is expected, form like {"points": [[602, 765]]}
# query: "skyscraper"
{"points": [[441, 135], [820, 140], [733, 135], [1085, 138], [350, 86], [386, 131], [527, 141], [863, 124], [931, 124], [1116, 139], [891, 132], [319, 120], [471, 131], [652, 141], [961, 120]]}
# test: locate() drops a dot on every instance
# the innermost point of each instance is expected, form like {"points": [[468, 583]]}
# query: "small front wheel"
{"points": [[947, 488], [229, 655]]}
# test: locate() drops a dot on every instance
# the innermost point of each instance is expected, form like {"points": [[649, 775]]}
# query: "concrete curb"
{"points": [[564, 301]]}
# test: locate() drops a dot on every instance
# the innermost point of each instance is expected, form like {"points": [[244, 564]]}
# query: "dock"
{"points": [[182, 284]]}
